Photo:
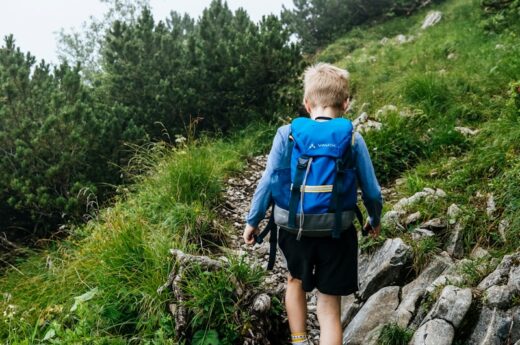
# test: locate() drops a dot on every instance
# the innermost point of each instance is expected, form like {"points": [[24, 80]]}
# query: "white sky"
{"points": [[34, 23]]}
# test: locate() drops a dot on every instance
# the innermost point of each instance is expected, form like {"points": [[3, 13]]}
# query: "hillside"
{"points": [[439, 108]]}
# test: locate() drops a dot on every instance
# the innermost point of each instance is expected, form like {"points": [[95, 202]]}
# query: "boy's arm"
{"points": [[262, 195], [371, 191]]}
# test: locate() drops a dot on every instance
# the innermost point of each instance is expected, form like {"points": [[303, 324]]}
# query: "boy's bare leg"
{"points": [[328, 310], [296, 305]]}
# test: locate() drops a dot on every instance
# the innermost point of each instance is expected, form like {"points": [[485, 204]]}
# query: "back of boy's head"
{"points": [[325, 85]]}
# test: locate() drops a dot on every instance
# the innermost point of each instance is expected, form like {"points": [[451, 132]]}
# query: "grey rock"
{"points": [[379, 309], [389, 108], [492, 328], [385, 267], [412, 218], [499, 296], [503, 225], [391, 218], [455, 245], [349, 307], [491, 205], [452, 305], [500, 275], [400, 39], [419, 234], [514, 278], [440, 193], [362, 118], [429, 190], [431, 19], [478, 253], [435, 224], [434, 332], [467, 131], [406, 202], [453, 213], [262, 303], [413, 292], [451, 276]]}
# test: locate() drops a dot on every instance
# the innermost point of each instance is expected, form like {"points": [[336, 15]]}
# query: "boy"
{"points": [[326, 263]]}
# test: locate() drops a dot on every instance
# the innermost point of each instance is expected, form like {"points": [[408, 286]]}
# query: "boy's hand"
{"points": [[249, 231], [373, 232]]}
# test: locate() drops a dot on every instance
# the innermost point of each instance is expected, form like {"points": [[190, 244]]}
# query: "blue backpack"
{"points": [[316, 193]]}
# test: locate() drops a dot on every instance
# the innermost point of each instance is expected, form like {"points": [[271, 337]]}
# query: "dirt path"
{"points": [[238, 195]]}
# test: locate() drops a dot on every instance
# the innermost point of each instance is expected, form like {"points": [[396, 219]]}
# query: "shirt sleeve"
{"points": [[371, 191], [262, 195]]}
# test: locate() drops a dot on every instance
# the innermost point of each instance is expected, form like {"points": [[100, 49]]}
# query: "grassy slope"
{"points": [[124, 254], [452, 74]]}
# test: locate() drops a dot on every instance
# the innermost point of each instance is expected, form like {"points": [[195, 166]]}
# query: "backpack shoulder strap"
{"points": [[347, 160]]}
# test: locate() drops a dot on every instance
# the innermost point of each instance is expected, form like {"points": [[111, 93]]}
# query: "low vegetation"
{"points": [[100, 285]]}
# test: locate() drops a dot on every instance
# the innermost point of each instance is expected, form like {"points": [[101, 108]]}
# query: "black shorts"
{"points": [[325, 263]]}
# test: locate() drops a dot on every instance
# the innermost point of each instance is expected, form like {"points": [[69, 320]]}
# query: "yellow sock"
{"points": [[299, 338]]}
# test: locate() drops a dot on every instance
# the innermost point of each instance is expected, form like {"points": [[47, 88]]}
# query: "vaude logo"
{"points": [[312, 146]]}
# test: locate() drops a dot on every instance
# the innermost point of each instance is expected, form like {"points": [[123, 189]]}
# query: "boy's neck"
{"points": [[320, 111]]}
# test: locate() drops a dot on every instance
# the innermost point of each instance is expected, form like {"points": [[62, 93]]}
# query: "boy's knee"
{"points": [[329, 302]]}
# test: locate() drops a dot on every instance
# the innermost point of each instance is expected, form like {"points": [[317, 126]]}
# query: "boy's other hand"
{"points": [[249, 231], [373, 232]]}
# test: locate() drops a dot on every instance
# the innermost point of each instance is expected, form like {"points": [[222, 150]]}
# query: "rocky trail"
{"points": [[238, 196], [439, 304]]}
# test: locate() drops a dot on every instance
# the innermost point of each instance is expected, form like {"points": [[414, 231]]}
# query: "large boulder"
{"points": [[503, 284], [385, 267], [492, 328], [515, 331], [434, 332], [500, 275], [413, 292], [452, 305], [350, 305], [500, 296], [378, 310]]}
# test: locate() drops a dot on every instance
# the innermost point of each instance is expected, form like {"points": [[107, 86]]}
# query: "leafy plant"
{"points": [[209, 337]]}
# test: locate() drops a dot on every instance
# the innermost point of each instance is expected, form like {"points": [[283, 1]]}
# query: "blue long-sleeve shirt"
{"points": [[279, 155]]}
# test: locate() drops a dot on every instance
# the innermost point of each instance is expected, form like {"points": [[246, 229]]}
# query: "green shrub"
{"points": [[393, 334], [500, 15], [428, 91], [215, 303], [395, 147], [423, 251], [123, 255]]}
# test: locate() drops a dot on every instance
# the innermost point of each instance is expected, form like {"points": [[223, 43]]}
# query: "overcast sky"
{"points": [[34, 23]]}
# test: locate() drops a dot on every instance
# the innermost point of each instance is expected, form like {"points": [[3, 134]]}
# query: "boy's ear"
{"points": [[345, 104], [307, 105]]}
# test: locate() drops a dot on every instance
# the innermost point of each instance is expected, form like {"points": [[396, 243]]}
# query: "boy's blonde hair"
{"points": [[325, 85]]}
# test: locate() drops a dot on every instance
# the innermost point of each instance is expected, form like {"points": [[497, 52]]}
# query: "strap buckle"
{"points": [[303, 161]]}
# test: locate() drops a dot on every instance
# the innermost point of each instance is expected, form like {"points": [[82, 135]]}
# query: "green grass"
{"points": [[123, 254], [393, 334], [452, 74]]}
